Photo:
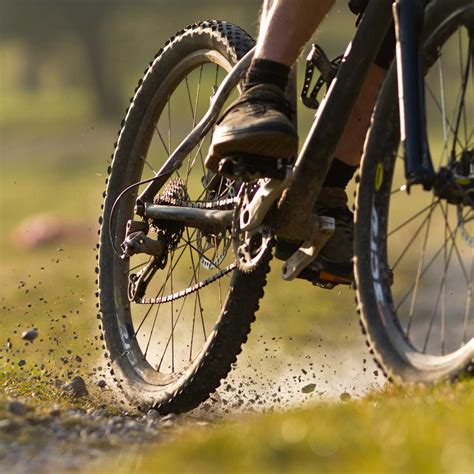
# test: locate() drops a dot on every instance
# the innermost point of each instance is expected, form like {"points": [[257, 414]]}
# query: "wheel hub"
{"points": [[455, 183]]}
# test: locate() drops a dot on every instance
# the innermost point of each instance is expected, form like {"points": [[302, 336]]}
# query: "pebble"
{"points": [[77, 387], [29, 335], [100, 413], [18, 408], [309, 388], [345, 396], [55, 411], [171, 418], [8, 426], [152, 414]]}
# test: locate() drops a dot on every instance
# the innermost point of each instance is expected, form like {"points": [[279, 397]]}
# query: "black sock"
{"points": [[339, 174], [264, 71]]}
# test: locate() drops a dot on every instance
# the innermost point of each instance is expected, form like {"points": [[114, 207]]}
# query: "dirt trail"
{"points": [[57, 439]]}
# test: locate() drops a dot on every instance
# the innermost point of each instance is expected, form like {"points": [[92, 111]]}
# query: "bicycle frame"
{"points": [[295, 207], [318, 150]]}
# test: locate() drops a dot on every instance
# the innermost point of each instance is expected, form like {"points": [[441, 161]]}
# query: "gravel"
{"points": [[58, 440], [77, 387], [29, 335]]}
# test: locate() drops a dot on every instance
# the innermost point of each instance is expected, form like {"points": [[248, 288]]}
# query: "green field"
{"points": [[404, 430]]}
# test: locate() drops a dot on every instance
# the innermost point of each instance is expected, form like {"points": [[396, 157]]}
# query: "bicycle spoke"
{"points": [[176, 321], [443, 101], [468, 301], [418, 277], [456, 248], [196, 103], [444, 293], [400, 189], [162, 141], [470, 50], [465, 77], [194, 114], [217, 76], [435, 308], [415, 235], [407, 294], [157, 311], [193, 161], [148, 164], [172, 322], [412, 218], [137, 266], [197, 292], [168, 106], [161, 290], [202, 255], [446, 122]]}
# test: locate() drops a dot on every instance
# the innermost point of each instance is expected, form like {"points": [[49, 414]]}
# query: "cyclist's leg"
{"points": [[287, 26], [351, 144], [259, 124]]}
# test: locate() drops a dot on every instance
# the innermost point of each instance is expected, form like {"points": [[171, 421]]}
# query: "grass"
{"points": [[41, 393], [409, 430]]}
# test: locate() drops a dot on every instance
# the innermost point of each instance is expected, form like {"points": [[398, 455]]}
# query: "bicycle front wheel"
{"points": [[414, 261], [170, 348]]}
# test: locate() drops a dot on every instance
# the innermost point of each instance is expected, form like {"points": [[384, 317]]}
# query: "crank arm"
{"points": [[253, 213]]}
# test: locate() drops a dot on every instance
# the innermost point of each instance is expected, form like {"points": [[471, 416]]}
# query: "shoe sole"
{"points": [[277, 143]]}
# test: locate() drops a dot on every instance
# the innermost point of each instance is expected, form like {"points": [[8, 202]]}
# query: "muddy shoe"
{"points": [[334, 262], [256, 125]]}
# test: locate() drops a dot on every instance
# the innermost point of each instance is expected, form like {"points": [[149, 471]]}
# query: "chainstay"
{"points": [[190, 289], [218, 204]]}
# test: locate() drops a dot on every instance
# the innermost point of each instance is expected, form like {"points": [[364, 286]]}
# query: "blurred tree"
{"points": [[44, 25]]}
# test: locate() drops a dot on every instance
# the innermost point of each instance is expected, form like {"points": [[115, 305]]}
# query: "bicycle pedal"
{"points": [[251, 167], [323, 278], [309, 249]]}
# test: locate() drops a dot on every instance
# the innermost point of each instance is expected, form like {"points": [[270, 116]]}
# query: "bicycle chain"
{"points": [[190, 289], [218, 204]]}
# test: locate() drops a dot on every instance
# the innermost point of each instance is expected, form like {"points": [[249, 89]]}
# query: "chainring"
{"points": [[250, 247]]}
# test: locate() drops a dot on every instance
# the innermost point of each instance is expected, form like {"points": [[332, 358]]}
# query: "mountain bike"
{"points": [[184, 253]]}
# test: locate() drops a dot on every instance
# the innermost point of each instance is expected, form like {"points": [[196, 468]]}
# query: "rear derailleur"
{"points": [[137, 242]]}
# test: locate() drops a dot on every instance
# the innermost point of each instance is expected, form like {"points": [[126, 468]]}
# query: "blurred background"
{"points": [[67, 71]]}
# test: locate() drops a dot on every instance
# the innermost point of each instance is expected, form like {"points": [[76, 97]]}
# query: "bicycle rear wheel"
{"points": [[414, 263], [170, 348]]}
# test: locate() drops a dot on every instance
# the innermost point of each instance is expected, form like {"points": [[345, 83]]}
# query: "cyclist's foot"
{"points": [[334, 263], [256, 126]]}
